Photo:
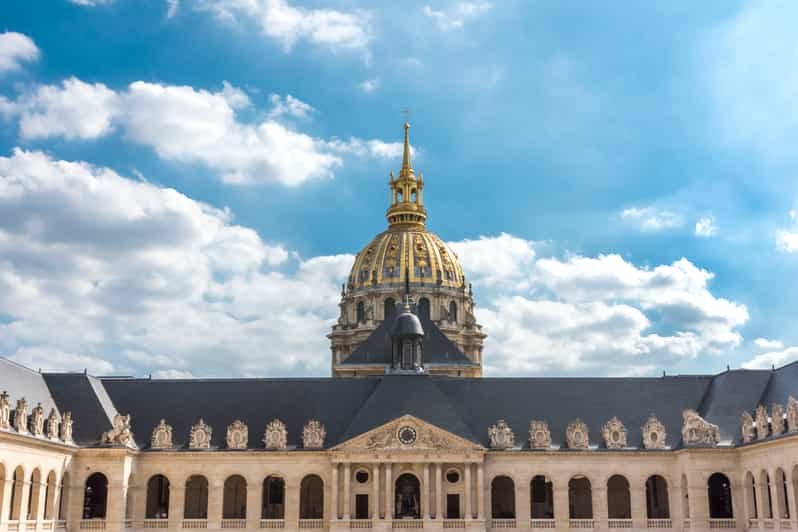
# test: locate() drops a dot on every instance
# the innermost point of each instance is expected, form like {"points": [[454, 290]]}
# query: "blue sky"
{"points": [[618, 179]]}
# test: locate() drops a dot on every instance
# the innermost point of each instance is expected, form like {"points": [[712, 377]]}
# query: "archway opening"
{"points": [[619, 502], [453, 312], [95, 497], [580, 498], [63, 493], [720, 497], [273, 506], [657, 503], [33, 495], [750, 496], [49, 495], [311, 498], [767, 499], [361, 312], [157, 498], [502, 498], [542, 498], [17, 485], [235, 498], [195, 505], [783, 497], [423, 308], [408, 497]]}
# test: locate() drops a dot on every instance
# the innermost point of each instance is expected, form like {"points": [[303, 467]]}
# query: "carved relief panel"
{"points": [[747, 427], [161, 436], [654, 435], [276, 435], [501, 435], [539, 435], [614, 434], [697, 431], [313, 434], [200, 436], [237, 435], [577, 435]]}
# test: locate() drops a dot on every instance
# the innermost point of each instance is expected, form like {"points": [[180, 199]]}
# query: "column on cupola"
{"points": [[375, 491], [388, 492], [347, 491], [439, 514], [425, 494], [469, 514], [334, 496]]}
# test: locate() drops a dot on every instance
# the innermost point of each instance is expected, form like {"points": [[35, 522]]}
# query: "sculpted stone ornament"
{"points": [[5, 411], [276, 435], [120, 434], [21, 416], [614, 434], [200, 436], [52, 425], [747, 427], [313, 434], [792, 414], [161, 436], [777, 419], [37, 421], [761, 422], [501, 435], [237, 435], [539, 435], [654, 435], [577, 435], [66, 428], [697, 431]]}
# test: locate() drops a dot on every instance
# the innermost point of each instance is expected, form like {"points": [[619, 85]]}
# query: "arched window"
{"points": [[541, 498], [502, 498], [720, 497], [157, 498], [619, 503], [767, 500], [17, 486], [408, 497], [685, 498], [453, 312], [273, 505], [63, 492], [235, 498], [782, 494], [750, 496], [195, 505], [311, 498], [423, 308], [389, 308], [95, 496], [49, 495], [657, 503], [361, 312], [33, 494], [580, 498]]}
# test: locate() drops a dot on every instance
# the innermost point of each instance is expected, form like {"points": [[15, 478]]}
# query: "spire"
{"points": [[407, 192], [407, 167]]}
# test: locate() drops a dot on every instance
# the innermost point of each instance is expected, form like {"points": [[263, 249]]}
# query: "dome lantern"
{"points": [[407, 193]]}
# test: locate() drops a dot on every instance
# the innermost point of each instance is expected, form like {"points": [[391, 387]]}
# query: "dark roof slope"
{"points": [[84, 396], [729, 395], [783, 384], [437, 348], [20, 382]]}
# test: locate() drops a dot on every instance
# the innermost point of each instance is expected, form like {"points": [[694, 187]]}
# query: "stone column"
{"points": [[334, 497], [469, 514], [699, 502], [215, 501], [675, 504], [425, 494], [24, 495], [177, 498], [561, 511], [292, 488], [375, 491], [791, 500], [115, 513], [523, 506], [637, 492], [600, 505], [481, 513], [5, 507], [439, 513], [765, 505], [40, 504], [388, 492], [347, 491], [254, 503]]}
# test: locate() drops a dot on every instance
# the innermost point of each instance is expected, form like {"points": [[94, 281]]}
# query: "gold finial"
{"points": [[406, 166]]}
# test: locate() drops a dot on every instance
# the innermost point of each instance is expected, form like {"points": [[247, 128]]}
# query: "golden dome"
{"points": [[406, 248]]}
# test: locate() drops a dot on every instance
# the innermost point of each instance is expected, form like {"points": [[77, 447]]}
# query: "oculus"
{"points": [[407, 435]]}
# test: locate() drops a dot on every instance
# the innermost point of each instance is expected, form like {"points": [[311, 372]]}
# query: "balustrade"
{"points": [[722, 524], [619, 523], [542, 523], [407, 523], [582, 524], [272, 523], [155, 523], [503, 523], [659, 523], [311, 524], [234, 523], [195, 523], [92, 524], [454, 523]]}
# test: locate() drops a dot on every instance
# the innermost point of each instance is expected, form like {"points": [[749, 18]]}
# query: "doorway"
{"points": [[408, 497], [452, 506]]}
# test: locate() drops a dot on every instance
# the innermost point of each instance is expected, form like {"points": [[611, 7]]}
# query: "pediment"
{"points": [[409, 434]]}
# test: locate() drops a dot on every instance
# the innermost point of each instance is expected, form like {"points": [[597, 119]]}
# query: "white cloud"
{"points": [[16, 48], [109, 273], [369, 85], [90, 3], [288, 106], [773, 359], [171, 8], [457, 15], [705, 227], [787, 239], [327, 28], [173, 374], [192, 126], [764, 343], [651, 219], [752, 91]]}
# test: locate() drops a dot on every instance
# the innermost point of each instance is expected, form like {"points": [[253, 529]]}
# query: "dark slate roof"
{"points": [[782, 385], [437, 348], [84, 396], [729, 395], [20, 382], [219, 402]]}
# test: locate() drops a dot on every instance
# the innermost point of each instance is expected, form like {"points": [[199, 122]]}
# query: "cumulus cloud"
{"points": [[191, 125], [287, 24], [773, 359], [787, 238], [764, 343], [369, 85], [651, 219], [456, 15], [705, 227], [171, 8], [755, 110], [16, 48], [101, 271], [592, 314]]}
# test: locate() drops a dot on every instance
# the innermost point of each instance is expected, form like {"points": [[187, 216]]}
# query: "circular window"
{"points": [[452, 476], [540, 436], [362, 476], [407, 435]]}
